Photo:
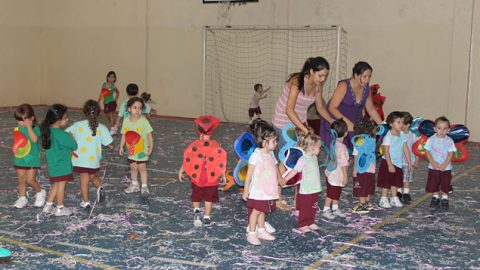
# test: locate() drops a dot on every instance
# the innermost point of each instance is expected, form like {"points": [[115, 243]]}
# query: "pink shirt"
{"points": [[264, 184], [255, 101], [335, 177], [280, 118]]}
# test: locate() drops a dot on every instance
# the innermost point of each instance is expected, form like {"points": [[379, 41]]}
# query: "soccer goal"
{"points": [[237, 57]]}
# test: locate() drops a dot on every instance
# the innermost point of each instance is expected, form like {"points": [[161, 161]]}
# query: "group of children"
{"points": [[78, 148]]}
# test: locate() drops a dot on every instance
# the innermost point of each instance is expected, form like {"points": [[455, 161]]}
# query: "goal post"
{"points": [[238, 57]]}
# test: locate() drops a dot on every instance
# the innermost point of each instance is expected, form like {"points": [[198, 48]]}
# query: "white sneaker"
{"points": [[394, 201], [269, 228], [145, 191], [113, 131], [338, 213], [384, 203], [48, 209], [62, 212], [21, 202], [328, 214], [84, 204], [40, 198], [132, 188]]}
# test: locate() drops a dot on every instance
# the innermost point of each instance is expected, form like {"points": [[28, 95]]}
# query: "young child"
{"points": [[147, 99], [261, 184], [27, 161], [440, 149], [59, 146], [132, 91], [338, 178], [90, 136], [204, 155], [109, 102], [137, 134], [309, 187], [364, 183], [390, 173], [408, 175], [254, 107]]}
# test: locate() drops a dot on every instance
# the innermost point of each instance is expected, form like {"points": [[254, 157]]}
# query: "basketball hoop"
{"points": [[223, 14]]}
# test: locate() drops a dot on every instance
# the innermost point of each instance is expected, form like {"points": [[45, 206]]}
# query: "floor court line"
{"points": [[84, 247], [394, 215], [171, 260]]}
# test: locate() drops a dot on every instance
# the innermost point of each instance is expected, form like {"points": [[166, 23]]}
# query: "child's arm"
{"points": [[406, 152], [263, 97], [345, 175], [247, 181], [122, 144], [354, 171], [117, 94], [388, 159], [432, 161], [180, 174], [117, 123], [31, 134], [265, 90], [444, 165], [150, 143], [280, 179]]}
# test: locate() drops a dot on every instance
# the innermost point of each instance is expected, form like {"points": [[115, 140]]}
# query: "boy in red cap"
{"points": [[204, 161]]}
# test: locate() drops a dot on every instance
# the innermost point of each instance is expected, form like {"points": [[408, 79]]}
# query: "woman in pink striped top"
{"points": [[301, 90]]}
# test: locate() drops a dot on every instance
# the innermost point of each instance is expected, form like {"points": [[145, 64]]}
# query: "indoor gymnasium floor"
{"points": [[130, 232]]}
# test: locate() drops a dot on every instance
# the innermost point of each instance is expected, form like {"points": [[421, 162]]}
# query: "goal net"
{"points": [[236, 58]]}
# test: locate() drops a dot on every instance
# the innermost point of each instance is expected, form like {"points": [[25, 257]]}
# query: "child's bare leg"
{"points": [[261, 220], [53, 192], [22, 182], [362, 200], [142, 168], [252, 225], [95, 180], [208, 208], [32, 180], [328, 203], [385, 192], [394, 191], [61, 192], [84, 177], [110, 119], [196, 205], [134, 173]]}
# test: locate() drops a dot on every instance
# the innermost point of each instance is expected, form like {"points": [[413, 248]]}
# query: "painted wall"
{"points": [[419, 49]]}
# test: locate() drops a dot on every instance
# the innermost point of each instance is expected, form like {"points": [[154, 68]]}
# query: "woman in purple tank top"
{"points": [[350, 98]]}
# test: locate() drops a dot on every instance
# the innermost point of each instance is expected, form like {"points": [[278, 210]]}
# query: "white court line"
{"points": [[170, 260], [84, 247], [149, 169], [12, 233]]}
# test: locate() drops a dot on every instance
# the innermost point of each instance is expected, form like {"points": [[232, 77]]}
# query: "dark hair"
{"points": [[54, 114], [442, 119], [132, 89], [23, 112], [257, 86], [91, 110], [393, 116], [146, 97], [112, 73], [340, 126], [364, 126], [133, 100], [407, 118], [360, 67], [255, 123], [312, 63], [263, 131]]}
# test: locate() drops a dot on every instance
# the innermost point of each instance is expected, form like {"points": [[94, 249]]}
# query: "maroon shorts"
{"points": [[264, 206], [252, 111], [385, 179], [85, 170], [26, 168], [438, 180], [363, 184], [333, 192], [208, 194], [110, 107], [68, 177], [131, 161]]}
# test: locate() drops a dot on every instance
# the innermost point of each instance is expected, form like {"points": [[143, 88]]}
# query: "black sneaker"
{"points": [[407, 199], [400, 196], [197, 218], [444, 204], [435, 202], [100, 194], [206, 221]]}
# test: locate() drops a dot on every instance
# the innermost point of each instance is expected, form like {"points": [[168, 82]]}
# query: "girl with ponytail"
{"points": [[90, 136], [59, 146]]}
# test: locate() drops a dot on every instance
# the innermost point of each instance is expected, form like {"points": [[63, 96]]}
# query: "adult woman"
{"points": [[349, 100], [301, 90]]}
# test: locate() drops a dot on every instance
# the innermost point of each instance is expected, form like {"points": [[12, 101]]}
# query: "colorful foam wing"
{"points": [[240, 172], [418, 147], [210, 152], [292, 155], [365, 146], [461, 155], [382, 129], [5, 254], [103, 93], [415, 124], [244, 145], [459, 133], [426, 128], [332, 156], [291, 138], [230, 180]]}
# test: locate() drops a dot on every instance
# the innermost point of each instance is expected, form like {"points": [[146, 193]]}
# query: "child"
{"points": [[147, 98], [139, 143], [440, 149], [59, 146], [203, 155], [404, 193], [109, 102], [364, 183], [90, 136], [309, 187], [261, 184], [390, 173], [254, 107], [132, 91], [338, 178], [27, 163]]}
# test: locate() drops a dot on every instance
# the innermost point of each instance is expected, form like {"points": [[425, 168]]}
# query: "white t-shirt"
{"points": [[439, 149], [264, 183]]}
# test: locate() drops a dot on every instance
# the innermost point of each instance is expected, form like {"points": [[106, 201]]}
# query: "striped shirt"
{"points": [[280, 118]]}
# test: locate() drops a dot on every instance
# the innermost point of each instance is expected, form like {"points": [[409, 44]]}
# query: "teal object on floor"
{"points": [[5, 254]]}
